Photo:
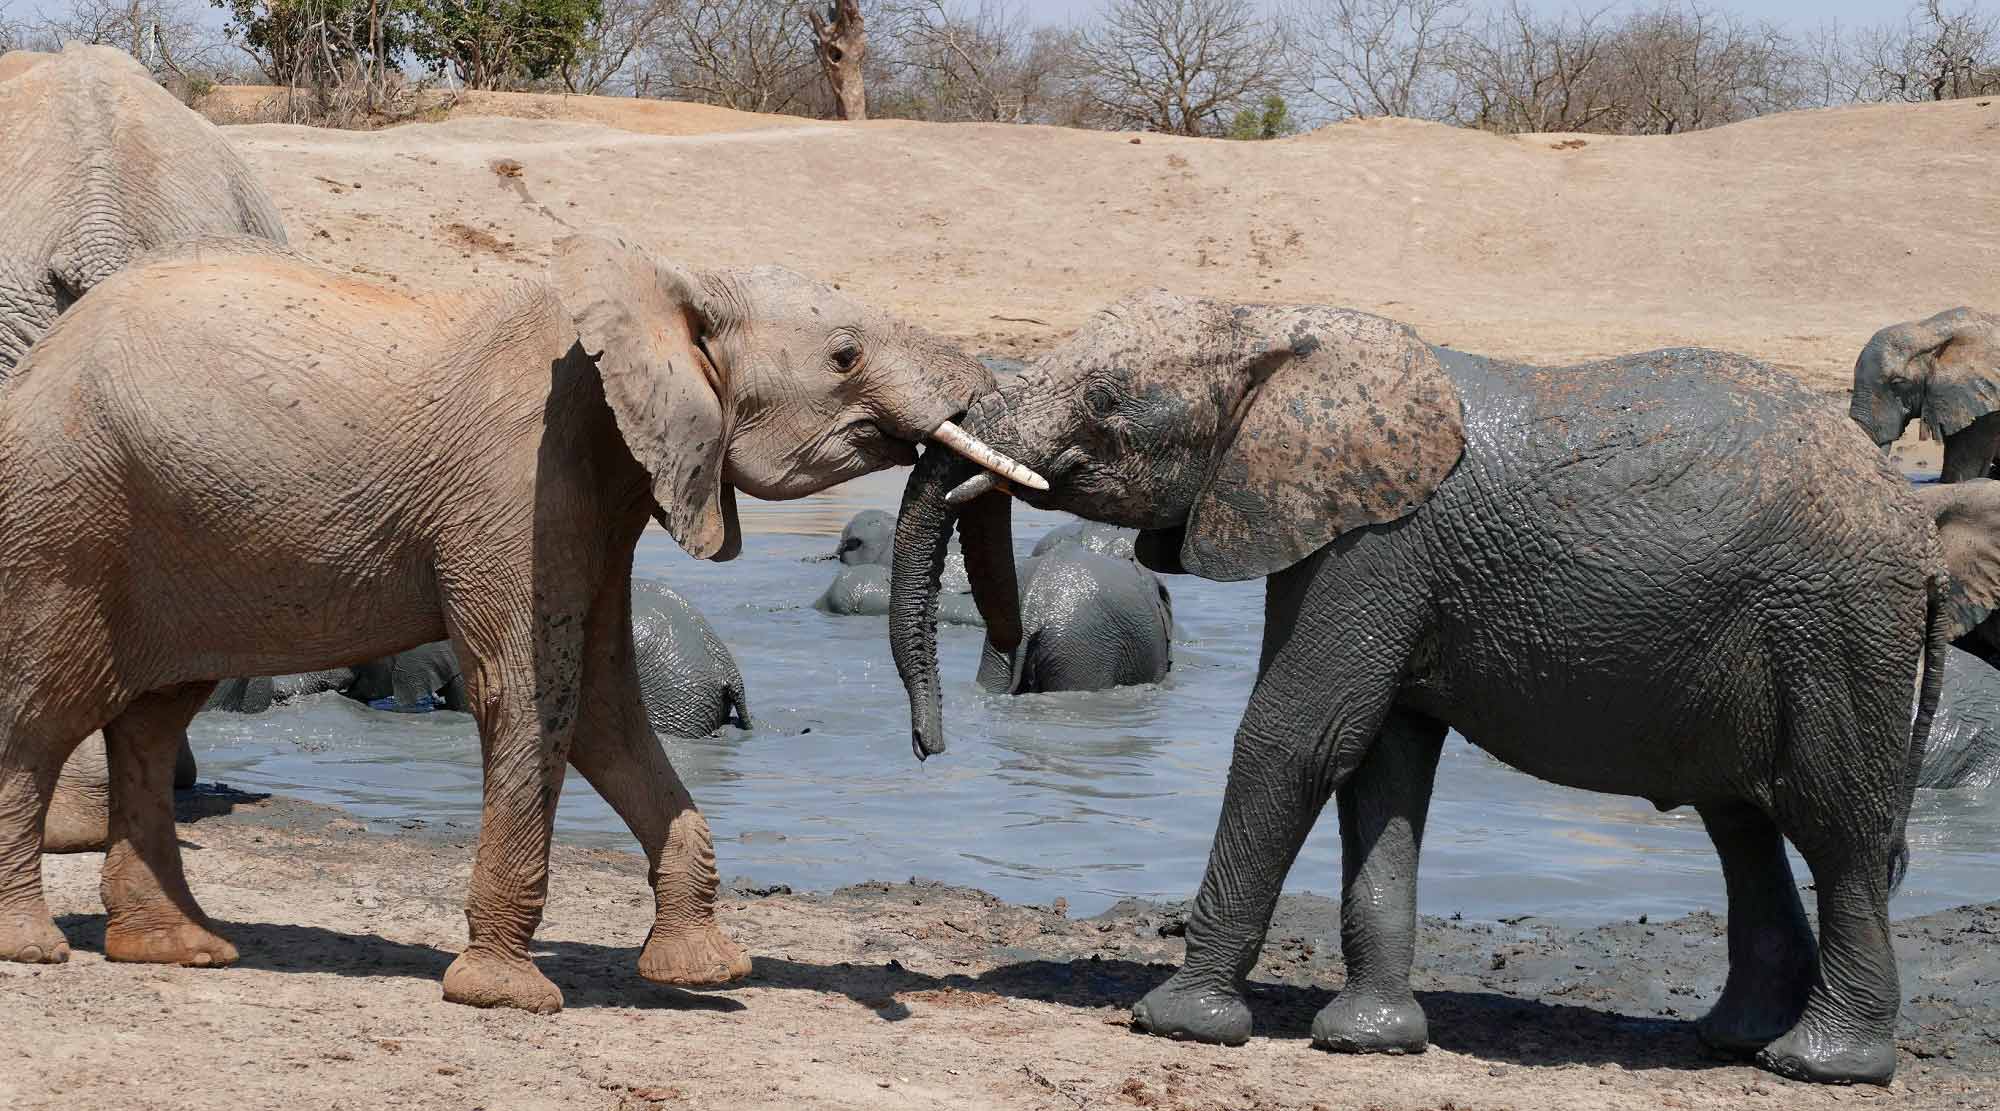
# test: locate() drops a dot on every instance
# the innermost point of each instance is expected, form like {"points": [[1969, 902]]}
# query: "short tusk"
{"points": [[970, 446], [976, 486]]}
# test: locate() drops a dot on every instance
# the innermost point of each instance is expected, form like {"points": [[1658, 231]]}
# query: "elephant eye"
{"points": [[845, 356], [1100, 400]]}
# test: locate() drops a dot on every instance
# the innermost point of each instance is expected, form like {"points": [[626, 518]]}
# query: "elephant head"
{"points": [[759, 379], [1238, 439], [867, 539], [1945, 368]]}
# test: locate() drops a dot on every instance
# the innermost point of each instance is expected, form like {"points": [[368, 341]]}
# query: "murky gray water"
{"points": [[1090, 797]]}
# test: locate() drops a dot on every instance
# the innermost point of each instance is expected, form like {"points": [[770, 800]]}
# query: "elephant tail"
{"points": [[1936, 640], [738, 696]]}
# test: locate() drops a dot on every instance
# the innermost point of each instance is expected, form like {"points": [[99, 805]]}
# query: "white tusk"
{"points": [[970, 446], [976, 486]]}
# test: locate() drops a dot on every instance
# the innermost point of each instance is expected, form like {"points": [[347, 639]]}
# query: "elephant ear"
{"points": [[1348, 422], [1967, 515], [1962, 348], [643, 321]]}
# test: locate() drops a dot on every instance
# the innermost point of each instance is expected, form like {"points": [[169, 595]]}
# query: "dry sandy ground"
{"points": [[1792, 237], [881, 996]]}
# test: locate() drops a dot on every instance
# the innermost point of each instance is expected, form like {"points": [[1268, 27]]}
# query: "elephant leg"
{"points": [[79, 815], [1773, 958], [1846, 1033], [618, 753], [1320, 699], [1382, 810], [184, 769], [28, 932], [524, 683], [153, 916], [1969, 452]]}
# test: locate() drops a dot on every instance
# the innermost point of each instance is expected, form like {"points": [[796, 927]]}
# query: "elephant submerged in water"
{"points": [[1429, 524], [861, 587], [1091, 618], [182, 450]]}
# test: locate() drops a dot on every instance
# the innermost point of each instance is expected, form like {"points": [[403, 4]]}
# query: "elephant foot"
{"points": [[481, 978], [1809, 1053], [1743, 1022], [31, 937], [1358, 1022], [700, 957], [1188, 1010], [154, 938]]}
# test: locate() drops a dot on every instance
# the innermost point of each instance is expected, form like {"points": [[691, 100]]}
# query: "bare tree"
{"points": [[1179, 66], [840, 42], [973, 63], [605, 61], [1938, 53], [1830, 69], [168, 37], [1377, 57], [1681, 66], [752, 55], [1517, 70]]}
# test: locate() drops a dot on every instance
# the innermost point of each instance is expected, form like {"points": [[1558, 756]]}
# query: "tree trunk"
{"points": [[840, 43]]}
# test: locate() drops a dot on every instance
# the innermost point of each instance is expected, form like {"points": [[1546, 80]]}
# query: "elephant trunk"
{"points": [[923, 531]]}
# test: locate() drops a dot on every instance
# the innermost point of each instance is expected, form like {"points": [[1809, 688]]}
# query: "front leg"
{"points": [[524, 687], [1320, 698], [1382, 810], [618, 753]]}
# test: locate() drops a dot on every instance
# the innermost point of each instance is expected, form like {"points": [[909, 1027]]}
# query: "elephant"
{"points": [[197, 482], [1673, 575], [1964, 748], [1945, 369], [104, 166], [687, 676], [426, 677], [861, 587], [1090, 620]]}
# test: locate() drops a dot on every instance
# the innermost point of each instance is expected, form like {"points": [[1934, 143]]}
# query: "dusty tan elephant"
{"points": [[197, 481], [103, 166]]}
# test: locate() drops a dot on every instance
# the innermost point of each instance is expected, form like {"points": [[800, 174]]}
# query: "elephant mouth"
{"points": [[879, 447]]}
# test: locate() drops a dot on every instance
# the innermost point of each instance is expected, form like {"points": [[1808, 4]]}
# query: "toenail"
{"points": [[203, 960]]}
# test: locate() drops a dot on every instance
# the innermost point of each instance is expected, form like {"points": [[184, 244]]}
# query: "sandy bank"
{"points": [[1791, 237], [879, 996]]}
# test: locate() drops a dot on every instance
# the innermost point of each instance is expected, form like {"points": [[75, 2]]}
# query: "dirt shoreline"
{"points": [[878, 995]]}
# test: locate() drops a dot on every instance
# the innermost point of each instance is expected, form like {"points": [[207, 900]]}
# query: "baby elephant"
{"points": [[861, 587], [1964, 746], [1091, 617]]}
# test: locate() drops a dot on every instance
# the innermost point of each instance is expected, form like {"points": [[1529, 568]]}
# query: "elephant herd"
{"points": [[1673, 575]]}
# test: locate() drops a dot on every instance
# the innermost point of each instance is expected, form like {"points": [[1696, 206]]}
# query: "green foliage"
{"points": [[1267, 122], [492, 44], [312, 42]]}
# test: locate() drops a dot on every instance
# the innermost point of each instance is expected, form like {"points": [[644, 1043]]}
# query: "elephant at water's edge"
{"points": [[1431, 526], [1944, 369], [564, 412]]}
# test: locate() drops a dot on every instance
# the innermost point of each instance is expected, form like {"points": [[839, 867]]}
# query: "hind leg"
{"points": [[79, 815], [1382, 810], [1773, 958], [153, 916], [27, 932]]}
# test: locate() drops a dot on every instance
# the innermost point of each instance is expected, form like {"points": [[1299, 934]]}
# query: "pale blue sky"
{"points": [[1799, 13]]}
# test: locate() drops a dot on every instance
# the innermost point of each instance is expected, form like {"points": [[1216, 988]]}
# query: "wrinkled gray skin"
{"points": [[1452, 541], [408, 677], [1944, 369], [687, 676], [1090, 620], [1964, 747], [861, 587]]}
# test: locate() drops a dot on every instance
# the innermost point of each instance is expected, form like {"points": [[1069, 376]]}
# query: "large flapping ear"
{"points": [[1347, 420], [643, 321], [1968, 528], [1960, 349]]}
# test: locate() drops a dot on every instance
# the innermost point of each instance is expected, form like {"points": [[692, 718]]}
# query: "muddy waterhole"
{"points": [[1087, 797]]}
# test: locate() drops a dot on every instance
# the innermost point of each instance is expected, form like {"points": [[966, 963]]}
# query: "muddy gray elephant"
{"points": [[860, 588], [103, 166], [565, 413], [1944, 369], [1430, 525], [1964, 748], [687, 676], [1091, 619]]}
